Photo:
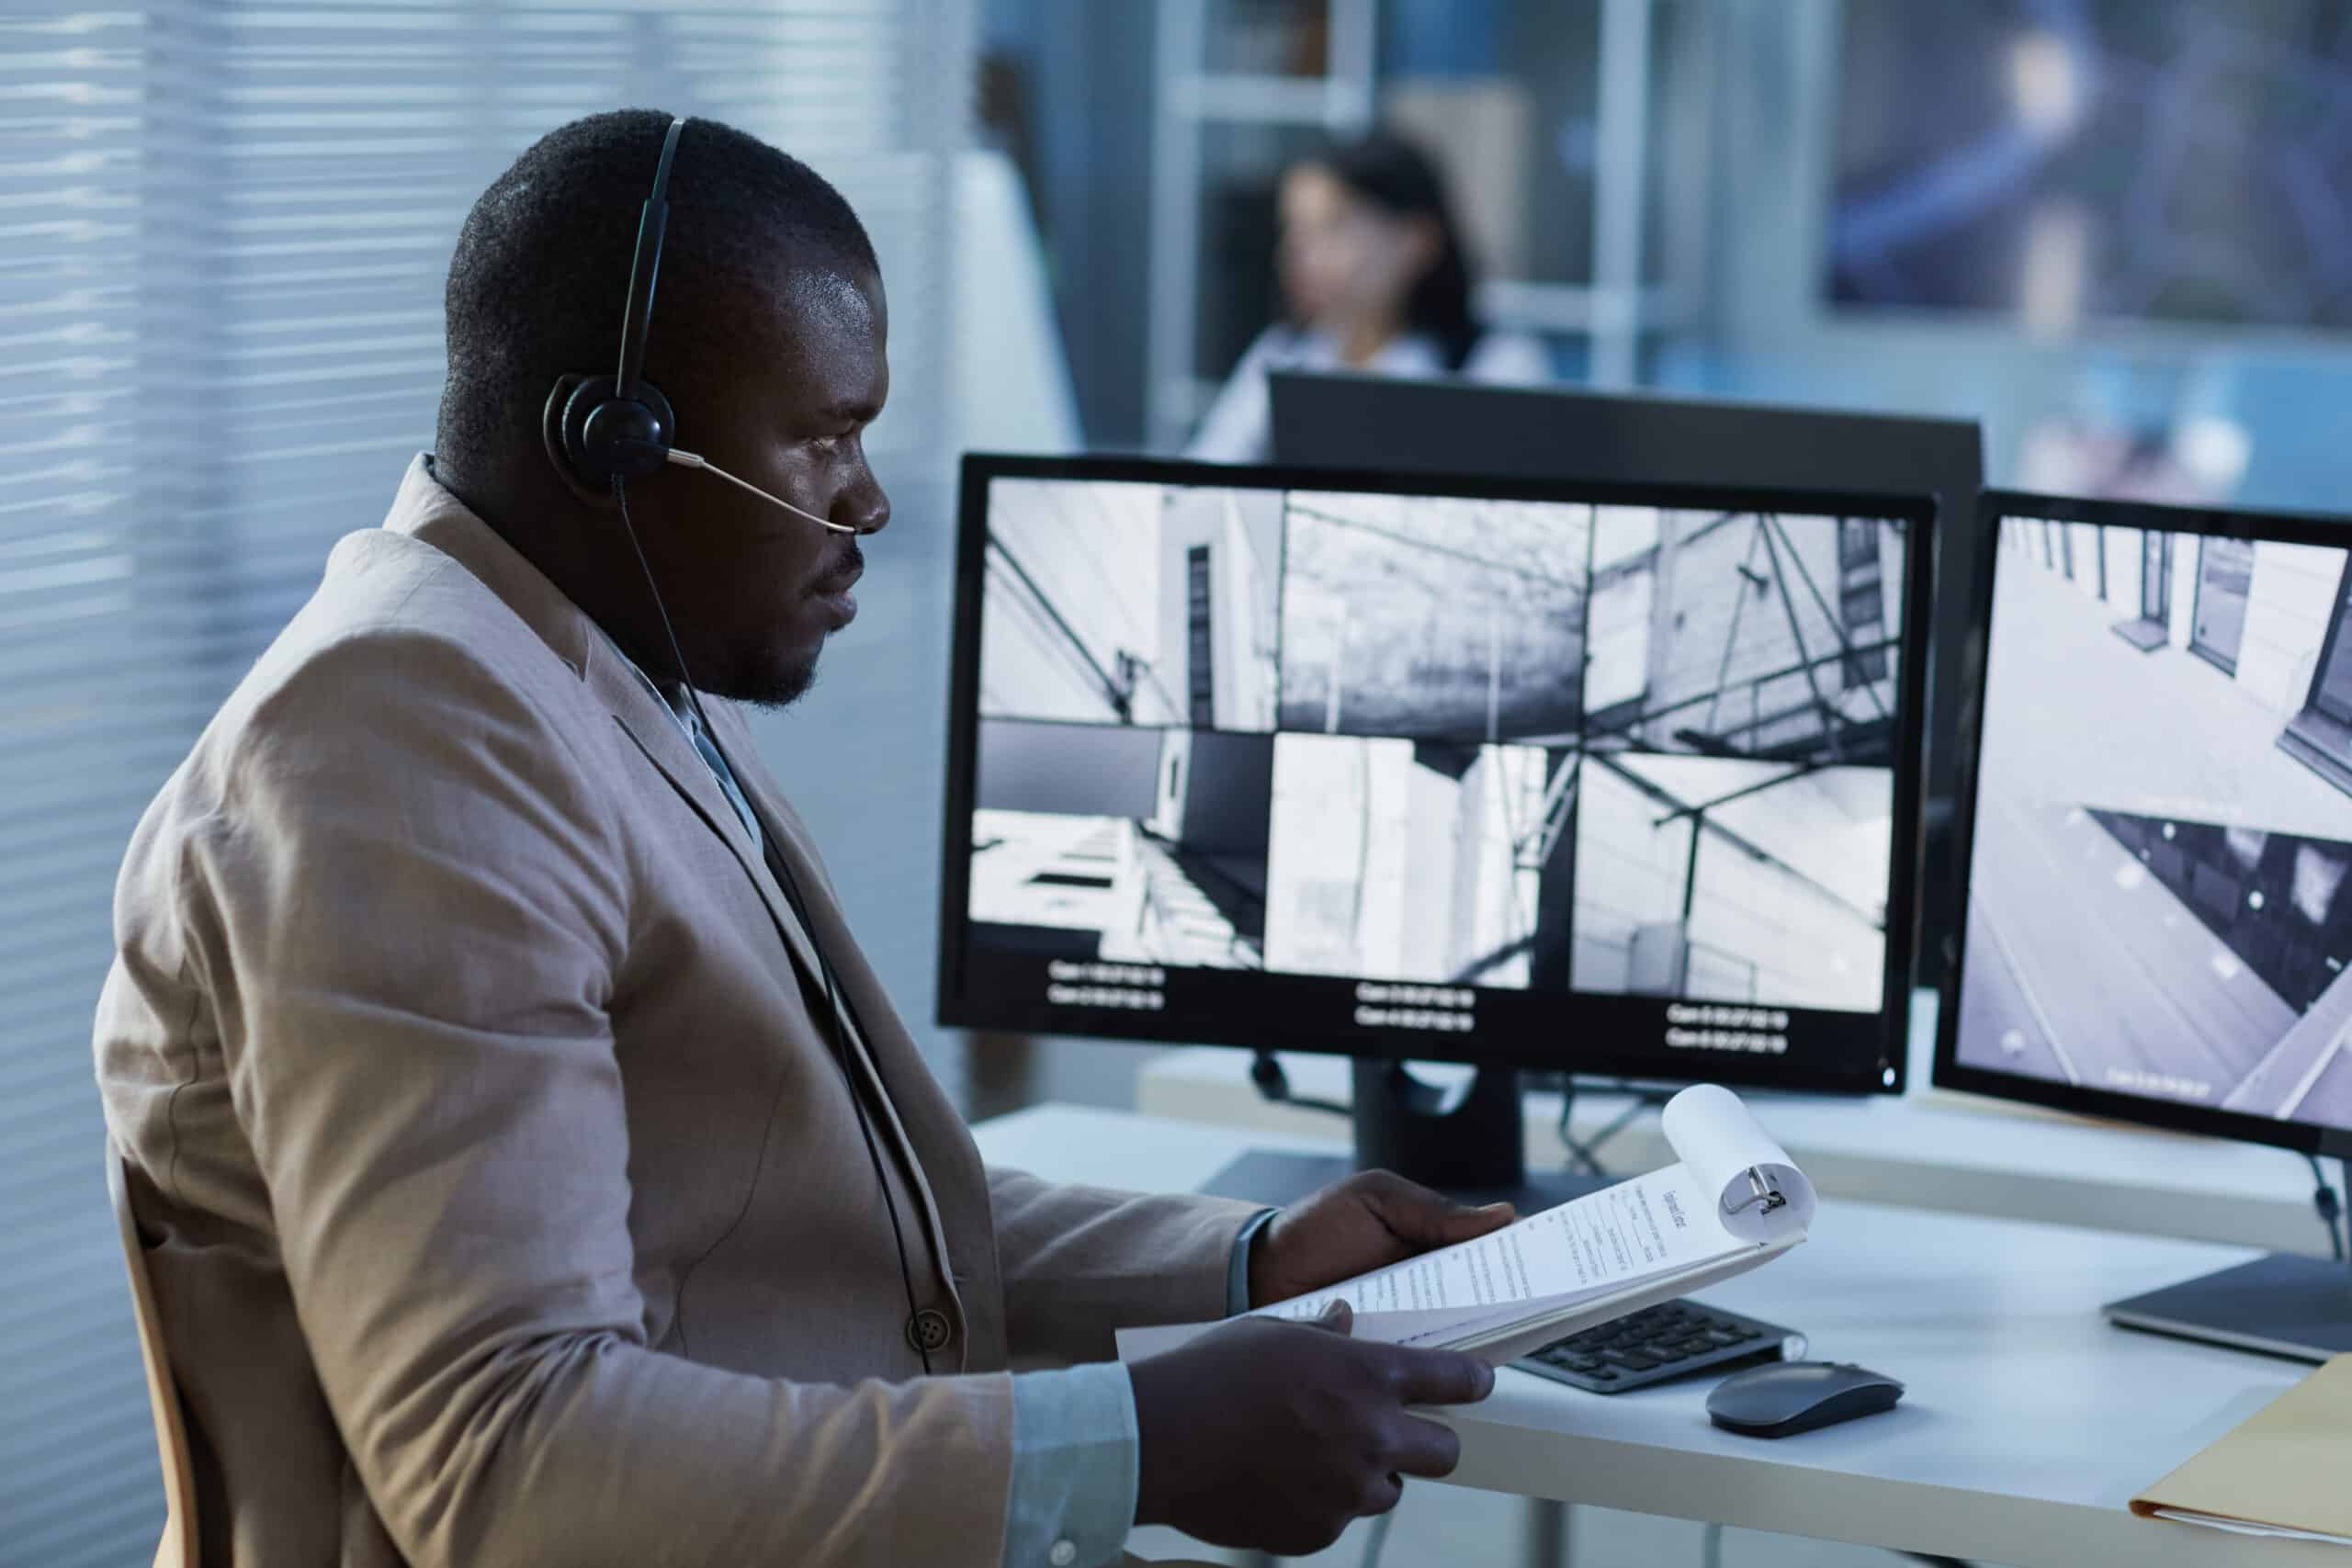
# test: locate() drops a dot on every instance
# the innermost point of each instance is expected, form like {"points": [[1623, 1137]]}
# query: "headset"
{"points": [[620, 427]]}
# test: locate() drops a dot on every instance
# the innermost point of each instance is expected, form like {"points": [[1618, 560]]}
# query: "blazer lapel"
{"points": [[654, 729], [879, 1040]]}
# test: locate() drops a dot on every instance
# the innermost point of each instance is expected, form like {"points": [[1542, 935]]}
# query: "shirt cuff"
{"points": [[1237, 1272], [1074, 1475]]}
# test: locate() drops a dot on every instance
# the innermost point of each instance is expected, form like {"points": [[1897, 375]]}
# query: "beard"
{"points": [[763, 677], [767, 683]]}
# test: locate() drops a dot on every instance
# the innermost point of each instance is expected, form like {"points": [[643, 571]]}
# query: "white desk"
{"points": [[2029, 1423], [1924, 1151]]}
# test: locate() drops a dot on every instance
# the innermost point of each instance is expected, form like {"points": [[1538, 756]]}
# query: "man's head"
{"points": [[768, 338]]}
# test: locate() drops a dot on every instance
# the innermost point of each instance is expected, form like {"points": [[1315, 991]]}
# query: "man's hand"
{"points": [[1351, 1227], [1273, 1436]]}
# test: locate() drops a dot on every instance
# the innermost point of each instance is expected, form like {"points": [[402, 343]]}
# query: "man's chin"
{"points": [[773, 683]]}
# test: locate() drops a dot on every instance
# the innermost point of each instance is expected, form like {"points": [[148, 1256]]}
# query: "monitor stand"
{"points": [[2284, 1304], [1466, 1142]]}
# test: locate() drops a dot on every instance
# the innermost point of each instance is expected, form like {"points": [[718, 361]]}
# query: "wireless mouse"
{"points": [[1797, 1397]]}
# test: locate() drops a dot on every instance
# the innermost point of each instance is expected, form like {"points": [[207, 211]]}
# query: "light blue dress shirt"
{"points": [[1074, 1439]]}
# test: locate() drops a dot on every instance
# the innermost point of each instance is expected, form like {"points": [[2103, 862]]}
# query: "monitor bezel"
{"points": [[1948, 1072], [956, 1008]]}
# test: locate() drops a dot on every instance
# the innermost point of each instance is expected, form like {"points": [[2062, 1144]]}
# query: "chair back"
{"points": [[178, 1547]]}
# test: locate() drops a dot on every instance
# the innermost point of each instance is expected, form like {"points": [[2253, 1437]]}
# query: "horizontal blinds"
{"points": [[223, 232]]}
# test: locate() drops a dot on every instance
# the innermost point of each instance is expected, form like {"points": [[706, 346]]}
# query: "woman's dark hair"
{"points": [[1399, 178]]}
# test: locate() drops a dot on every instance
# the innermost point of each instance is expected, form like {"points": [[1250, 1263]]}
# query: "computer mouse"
{"points": [[1797, 1397]]}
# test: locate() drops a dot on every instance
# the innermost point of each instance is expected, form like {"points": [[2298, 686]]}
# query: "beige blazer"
{"points": [[502, 1199]]}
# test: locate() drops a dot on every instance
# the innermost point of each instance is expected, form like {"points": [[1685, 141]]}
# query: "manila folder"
{"points": [[2281, 1470]]}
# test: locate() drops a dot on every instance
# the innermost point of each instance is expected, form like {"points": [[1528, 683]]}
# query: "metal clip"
{"points": [[1768, 1196]]}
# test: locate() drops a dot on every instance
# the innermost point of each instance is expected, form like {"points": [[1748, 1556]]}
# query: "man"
{"points": [[530, 1169]]}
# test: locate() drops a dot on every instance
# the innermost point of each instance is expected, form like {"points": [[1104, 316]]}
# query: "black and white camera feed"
{"points": [[1419, 860], [1723, 879], [1130, 603], [1433, 617], [2163, 824], [1745, 634], [1119, 842]]}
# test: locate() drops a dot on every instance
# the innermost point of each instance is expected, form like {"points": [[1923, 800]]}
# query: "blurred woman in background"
{"points": [[1374, 278]]}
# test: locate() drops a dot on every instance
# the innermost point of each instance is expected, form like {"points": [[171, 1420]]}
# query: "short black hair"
{"points": [[540, 276]]}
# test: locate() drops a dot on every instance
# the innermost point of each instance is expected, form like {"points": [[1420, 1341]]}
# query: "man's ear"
{"points": [[551, 437]]}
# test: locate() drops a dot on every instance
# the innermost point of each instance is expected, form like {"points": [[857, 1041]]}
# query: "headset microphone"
{"points": [[695, 460]]}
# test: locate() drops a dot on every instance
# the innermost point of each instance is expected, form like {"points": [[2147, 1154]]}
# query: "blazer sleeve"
{"points": [[1079, 1262], [411, 905]]}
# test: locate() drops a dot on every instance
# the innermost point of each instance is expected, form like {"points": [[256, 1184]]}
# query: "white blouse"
{"points": [[1240, 424]]}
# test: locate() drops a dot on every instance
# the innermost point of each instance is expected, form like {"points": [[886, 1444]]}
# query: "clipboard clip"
{"points": [[1761, 1192]]}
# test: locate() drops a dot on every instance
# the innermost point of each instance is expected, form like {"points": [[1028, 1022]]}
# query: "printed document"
{"points": [[1731, 1200]]}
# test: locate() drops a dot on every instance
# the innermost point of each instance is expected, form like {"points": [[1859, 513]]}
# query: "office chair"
{"points": [[178, 1547]]}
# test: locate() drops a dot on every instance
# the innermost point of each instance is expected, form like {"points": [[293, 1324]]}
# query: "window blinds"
{"points": [[223, 229]]}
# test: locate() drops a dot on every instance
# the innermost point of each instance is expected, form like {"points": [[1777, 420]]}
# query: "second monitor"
{"points": [[1603, 779]]}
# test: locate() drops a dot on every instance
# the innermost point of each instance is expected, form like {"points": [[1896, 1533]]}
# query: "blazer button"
{"points": [[929, 1330]]}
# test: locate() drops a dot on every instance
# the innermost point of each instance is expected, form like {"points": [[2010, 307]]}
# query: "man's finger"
{"points": [[1424, 1448], [1442, 1377], [1338, 1317]]}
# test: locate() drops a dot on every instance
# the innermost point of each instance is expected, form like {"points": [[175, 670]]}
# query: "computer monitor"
{"points": [[2157, 850], [1354, 421], [1616, 779]]}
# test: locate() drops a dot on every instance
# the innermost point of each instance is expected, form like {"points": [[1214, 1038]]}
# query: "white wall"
{"points": [[2083, 539], [1246, 578], [2124, 568], [2183, 624], [2288, 606], [1430, 928], [1094, 553], [1494, 901], [1334, 795], [1808, 951], [1231, 525], [1705, 599], [1175, 772], [1629, 874], [1427, 858], [1808, 947], [1617, 638]]}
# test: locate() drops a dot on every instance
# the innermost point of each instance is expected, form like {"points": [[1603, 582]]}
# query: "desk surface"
{"points": [[1926, 1150], [2028, 1422]]}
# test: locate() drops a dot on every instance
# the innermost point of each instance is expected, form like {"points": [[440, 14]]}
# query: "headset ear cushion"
{"points": [[607, 437]]}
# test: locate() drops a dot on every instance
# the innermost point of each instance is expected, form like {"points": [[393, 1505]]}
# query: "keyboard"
{"points": [[1671, 1339]]}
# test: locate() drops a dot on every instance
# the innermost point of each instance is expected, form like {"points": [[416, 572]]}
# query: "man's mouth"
{"points": [[837, 583], [832, 590]]}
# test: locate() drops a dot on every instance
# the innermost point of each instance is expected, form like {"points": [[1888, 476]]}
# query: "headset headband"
{"points": [[645, 269]]}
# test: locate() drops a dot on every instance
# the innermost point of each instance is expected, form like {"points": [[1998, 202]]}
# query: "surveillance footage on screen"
{"points": [[1415, 860], [1432, 617], [1131, 603], [1438, 746], [1746, 634], [2164, 821], [1123, 844], [1721, 880]]}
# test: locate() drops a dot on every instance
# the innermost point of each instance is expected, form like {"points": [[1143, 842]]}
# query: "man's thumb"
{"points": [[1338, 1317], [1467, 1223]]}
